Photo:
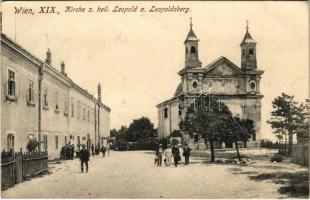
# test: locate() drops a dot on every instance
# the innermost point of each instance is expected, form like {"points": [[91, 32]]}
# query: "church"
{"points": [[237, 87]]}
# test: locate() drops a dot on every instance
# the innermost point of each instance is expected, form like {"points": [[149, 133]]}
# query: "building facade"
{"points": [[39, 102], [237, 87]]}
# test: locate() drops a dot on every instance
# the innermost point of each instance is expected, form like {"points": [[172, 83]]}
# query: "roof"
{"points": [[247, 38], [191, 36], [222, 59], [178, 90], [39, 62]]}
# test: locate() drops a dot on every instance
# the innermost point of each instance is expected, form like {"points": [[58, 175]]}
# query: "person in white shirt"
{"points": [[168, 155]]}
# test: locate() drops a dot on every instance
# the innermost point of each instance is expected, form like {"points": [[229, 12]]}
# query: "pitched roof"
{"points": [[247, 38], [178, 90], [191, 36], [222, 59]]}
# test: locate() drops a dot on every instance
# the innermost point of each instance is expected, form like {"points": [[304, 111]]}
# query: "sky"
{"points": [[136, 56]]}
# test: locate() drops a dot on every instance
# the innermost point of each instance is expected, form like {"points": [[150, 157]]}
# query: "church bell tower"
{"points": [[248, 52], [191, 49]]}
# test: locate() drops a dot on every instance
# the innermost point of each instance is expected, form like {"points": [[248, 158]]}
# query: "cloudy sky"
{"points": [[136, 56]]}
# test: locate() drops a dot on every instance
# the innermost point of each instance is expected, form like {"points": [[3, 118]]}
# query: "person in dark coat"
{"points": [[63, 152], [159, 154], [84, 158], [186, 153], [93, 149], [103, 150], [72, 151], [68, 151], [176, 154], [97, 149]]}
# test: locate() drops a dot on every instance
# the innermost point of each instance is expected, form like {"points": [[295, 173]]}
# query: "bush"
{"points": [[32, 145], [276, 158]]}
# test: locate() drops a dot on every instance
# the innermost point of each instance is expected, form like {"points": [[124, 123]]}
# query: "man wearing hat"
{"points": [[84, 158], [159, 154]]}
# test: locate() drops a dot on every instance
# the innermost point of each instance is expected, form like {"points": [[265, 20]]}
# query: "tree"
{"points": [[113, 133], [247, 129], [139, 129], [304, 130], [207, 117], [287, 117]]}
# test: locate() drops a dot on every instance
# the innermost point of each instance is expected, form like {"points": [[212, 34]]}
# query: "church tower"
{"points": [[248, 52], [191, 49]]}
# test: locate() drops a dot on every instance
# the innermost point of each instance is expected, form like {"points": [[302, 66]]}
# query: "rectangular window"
{"points": [[72, 107], [30, 93], [166, 113], [45, 97], [83, 112], [78, 109], [56, 142], [56, 101], [78, 140], [45, 142], [66, 106], [11, 83], [10, 142], [88, 114]]}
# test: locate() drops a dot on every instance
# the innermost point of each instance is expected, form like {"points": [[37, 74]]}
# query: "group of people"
{"points": [[67, 152], [169, 153], [96, 150], [85, 154]]}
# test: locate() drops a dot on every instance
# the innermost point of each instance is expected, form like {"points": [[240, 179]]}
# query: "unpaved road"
{"points": [[133, 175]]}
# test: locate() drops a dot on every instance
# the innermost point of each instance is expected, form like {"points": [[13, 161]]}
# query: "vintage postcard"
{"points": [[155, 99]]}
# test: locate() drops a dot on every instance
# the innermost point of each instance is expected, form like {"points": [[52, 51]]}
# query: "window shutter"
{"points": [[17, 89]]}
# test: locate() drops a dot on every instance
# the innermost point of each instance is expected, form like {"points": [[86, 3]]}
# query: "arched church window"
{"points": [[166, 112], [193, 49], [195, 84], [251, 52]]}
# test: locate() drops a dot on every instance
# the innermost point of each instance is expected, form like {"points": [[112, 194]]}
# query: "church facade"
{"points": [[237, 87]]}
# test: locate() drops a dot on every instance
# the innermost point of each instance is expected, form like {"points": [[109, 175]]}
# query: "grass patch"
{"points": [[295, 184]]}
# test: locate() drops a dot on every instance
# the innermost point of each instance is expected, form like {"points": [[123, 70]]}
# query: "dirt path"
{"points": [[133, 175]]}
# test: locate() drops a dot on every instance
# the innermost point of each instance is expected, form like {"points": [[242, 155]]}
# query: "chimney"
{"points": [[62, 65], [48, 59], [99, 93]]}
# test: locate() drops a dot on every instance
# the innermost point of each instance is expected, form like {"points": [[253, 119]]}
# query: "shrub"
{"points": [[276, 158], [32, 145]]}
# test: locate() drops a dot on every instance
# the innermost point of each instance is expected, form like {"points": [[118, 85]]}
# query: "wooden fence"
{"points": [[300, 154], [15, 167]]}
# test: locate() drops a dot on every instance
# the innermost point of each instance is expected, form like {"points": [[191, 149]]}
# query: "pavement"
{"points": [[132, 174]]}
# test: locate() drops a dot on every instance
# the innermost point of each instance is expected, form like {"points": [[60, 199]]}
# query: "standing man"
{"points": [[93, 149], [176, 154], [186, 153], [103, 149], [84, 158], [160, 154]]}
